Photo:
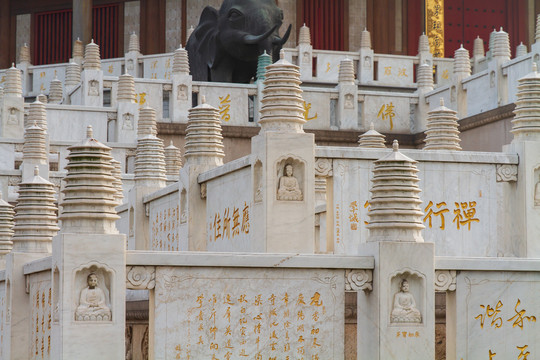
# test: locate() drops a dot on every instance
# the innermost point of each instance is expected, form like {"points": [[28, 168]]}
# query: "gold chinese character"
{"points": [[217, 227], [387, 112], [307, 107], [519, 316], [226, 224], [327, 67], [491, 355], [445, 74], [110, 69], [387, 70], [401, 72], [316, 300], [468, 214], [224, 107], [436, 213], [245, 219], [353, 215], [491, 313], [523, 355]]}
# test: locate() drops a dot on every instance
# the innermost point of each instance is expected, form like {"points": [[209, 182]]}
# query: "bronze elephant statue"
{"points": [[226, 44]]}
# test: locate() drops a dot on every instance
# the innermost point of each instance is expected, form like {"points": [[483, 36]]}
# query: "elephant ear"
{"points": [[202, 44]]}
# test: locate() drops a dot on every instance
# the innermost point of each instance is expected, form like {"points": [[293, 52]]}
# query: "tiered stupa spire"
{"points": [[365, 39], [134, 43], [395, 213], [346, 72], [92, 59], [442, 129], [35, 216], [423, 43], [13, 85], [521, 50], [24, 54], [35, 144], [526, 122], [73, 74], [501, 44], [304, 36], [89, 194], [371, 139], [425, 77], [6, 227], [173, 160], [126, 88], [56, 92], [37, 115], [478, 47], [181, 61], [262, 62], [78, 49], [150, 157], [117, 174], [282, 104], [204, 142], [462, 63]]}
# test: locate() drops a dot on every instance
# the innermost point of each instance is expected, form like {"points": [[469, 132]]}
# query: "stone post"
{"points": [[347, 109], [283, 167], [35, 225], [402, 303], [150, 175], [203, 151], [23, 64], [425, 84], [365, 62], [522, 198], [13, 105], [92, 77], [181, 87], [305, 54], [127, 116], [132, 56], [462, 70], [500, 55], [89, 260]]}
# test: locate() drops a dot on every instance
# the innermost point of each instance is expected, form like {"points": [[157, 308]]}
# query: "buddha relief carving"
{"points": [[93, 89], [13, 117], [182, 92], [130, 64], [305, 58], [288, 186], [404, 309], [537, 189], [92, 302], [367, 62], [128, 121], [349, 101]]}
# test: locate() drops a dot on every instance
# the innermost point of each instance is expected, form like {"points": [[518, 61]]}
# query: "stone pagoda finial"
{"points": [[526, 122], [537, 32], [73, 74], [425, 77], [346, 72], [134, 43], [173, 160], [304, 36], [126, 88], [262, 62], [89, 194], [13, 86], [37, 114], [181, 61], [478, 47], [371, 139], [56, 91], [395, 213], [150, 157], [365, 39], [147, 122], [78, 49], [491, 43], [442, 129], [42, 98], [6, 227], [117, 174], [92, 59], [282, 104], [462, 63], [24, 54], [521, 50], [189, 32], [35, 216], [35, 144], [501, 44], [423, 44], [204, 142]]}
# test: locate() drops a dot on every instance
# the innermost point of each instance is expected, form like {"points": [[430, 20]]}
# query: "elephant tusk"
{"points": [[280, 41], [255, 39]]}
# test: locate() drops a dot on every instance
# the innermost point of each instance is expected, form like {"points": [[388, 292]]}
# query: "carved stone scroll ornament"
{"points": [[445, 280], [323, 167], [506, 173], [141, 277], [358, 280]]}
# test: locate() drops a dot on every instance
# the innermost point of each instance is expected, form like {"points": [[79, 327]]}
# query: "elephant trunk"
{"points": [[256, 39], [282, 40]]}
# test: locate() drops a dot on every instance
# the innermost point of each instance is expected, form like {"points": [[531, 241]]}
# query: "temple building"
{"points": [[371, 192]]}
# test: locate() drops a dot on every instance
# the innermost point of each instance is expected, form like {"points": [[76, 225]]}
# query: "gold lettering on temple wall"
{"points": [[435, 26]]}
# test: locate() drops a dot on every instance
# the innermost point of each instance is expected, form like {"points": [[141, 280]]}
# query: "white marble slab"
{"points": [[495, 313], [232, 103], [240, 313], [164, 220]]}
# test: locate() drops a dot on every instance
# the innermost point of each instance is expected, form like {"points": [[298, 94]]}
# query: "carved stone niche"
{"points": [[290, 172], [92, 293], [537, 186], [407, 305]]}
